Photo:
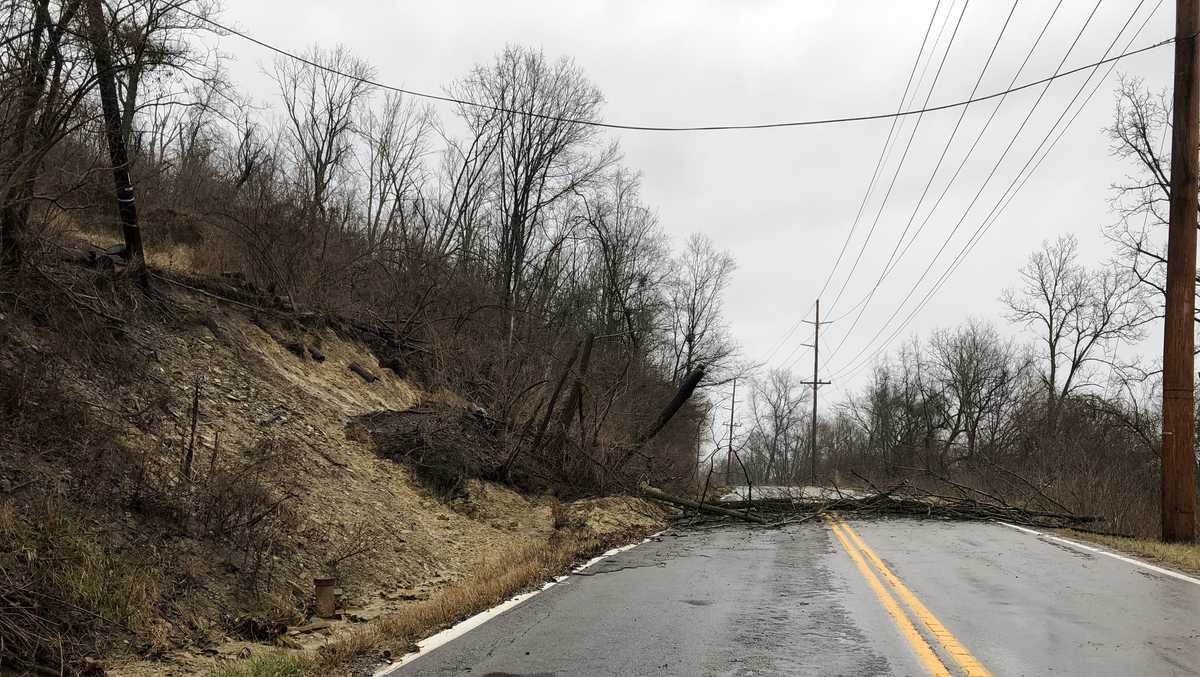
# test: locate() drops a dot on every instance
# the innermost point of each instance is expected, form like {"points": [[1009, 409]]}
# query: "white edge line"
{"points": [[1100, 551], [461, 628]]}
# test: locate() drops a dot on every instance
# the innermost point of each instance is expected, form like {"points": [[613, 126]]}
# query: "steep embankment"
{"points": [[177, 468]]}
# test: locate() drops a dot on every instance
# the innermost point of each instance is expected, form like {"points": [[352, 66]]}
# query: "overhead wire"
{"points": [[900, 164], [1006, 198], [966, 212], [893, 264], [862, 305], [789, 360], [879, 163], [899, 114], [936, 168], [663, 128]]}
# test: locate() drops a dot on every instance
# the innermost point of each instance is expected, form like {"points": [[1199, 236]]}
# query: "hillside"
{"points": [[331, 333], [176, 476]]}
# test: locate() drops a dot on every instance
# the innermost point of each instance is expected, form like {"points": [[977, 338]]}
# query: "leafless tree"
{"points": [[630, 252], [149, 37], [322, 106], [778, 441], [45, 79], [1076, 313], [542, 151], [977, 374], [699, 334], [1139, 134], [392, 166]]}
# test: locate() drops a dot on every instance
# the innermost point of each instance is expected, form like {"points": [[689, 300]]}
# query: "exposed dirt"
{"points": [[256, 395]]}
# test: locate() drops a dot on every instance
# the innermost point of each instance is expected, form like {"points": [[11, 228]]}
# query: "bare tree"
{"points": [[698, 331], [44, 79], [1139, 134], [1076, 313], [118, 156], [977, 373], [396, 139], [629, 249], [152, 36], [533, 114], [778, 440], [463, 187], [322, 105]]}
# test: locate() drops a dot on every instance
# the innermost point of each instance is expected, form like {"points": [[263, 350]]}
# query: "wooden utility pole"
{"points": [[98, 30], [816, 383], [729, 452], [1179, 338]]}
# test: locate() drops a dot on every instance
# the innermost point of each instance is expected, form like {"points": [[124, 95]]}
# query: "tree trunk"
{"points": [[116, 143], [659, 495]]}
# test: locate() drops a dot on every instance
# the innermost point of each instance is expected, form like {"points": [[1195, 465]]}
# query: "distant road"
{"points": [[882, 597], [743, 493]]}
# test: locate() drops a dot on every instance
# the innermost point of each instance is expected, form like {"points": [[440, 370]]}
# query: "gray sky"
{"points": [[781, 201]]}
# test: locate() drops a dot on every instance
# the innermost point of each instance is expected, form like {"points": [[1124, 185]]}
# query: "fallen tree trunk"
{"points": [[660, 495], [681, 396], [363, 372]]}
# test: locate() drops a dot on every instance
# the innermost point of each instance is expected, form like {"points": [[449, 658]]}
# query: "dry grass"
{"points": [[494, 580], [1182, 556], [62, 586], [274, 664]]}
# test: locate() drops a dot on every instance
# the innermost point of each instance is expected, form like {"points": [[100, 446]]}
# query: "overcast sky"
{"points": [[782, 201]]}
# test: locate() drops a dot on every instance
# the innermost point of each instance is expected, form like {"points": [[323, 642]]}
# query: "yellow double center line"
{"points": [[865, 558]]}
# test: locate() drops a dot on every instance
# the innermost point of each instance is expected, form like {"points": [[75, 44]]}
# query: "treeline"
{"points": [[496, 240], [1061, 418]]}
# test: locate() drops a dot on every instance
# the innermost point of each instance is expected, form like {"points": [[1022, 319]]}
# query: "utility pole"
{"points": [[1179, 338], [729, 452], [815, 383]]}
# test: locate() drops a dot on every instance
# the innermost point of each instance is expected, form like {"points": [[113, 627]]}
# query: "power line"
{"points": [[903, 156], [659, 128], [870, 184], [900, 165], [991, 174], [1006, 199], [938, 165], [1001, 204], [962, 163]]}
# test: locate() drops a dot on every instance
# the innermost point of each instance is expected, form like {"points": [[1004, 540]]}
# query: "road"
{"points": [[880, 597]]}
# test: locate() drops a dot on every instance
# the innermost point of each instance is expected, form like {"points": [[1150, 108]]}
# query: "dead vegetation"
{"points": [[903, 499], [173, 475], [445, 445], [588, 528]]}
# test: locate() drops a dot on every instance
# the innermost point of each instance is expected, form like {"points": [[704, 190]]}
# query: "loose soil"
{"points": [[255, 397]]}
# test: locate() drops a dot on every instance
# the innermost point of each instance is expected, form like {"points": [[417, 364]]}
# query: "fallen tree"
{"points": [[708, 508], [901, 500]]}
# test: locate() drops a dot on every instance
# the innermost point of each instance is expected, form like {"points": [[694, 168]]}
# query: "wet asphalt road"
{"points": [[738, 601]]}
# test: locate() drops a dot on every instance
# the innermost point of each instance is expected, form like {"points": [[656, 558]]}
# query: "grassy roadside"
{"points": [[496, 579], [1182, 556]]}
